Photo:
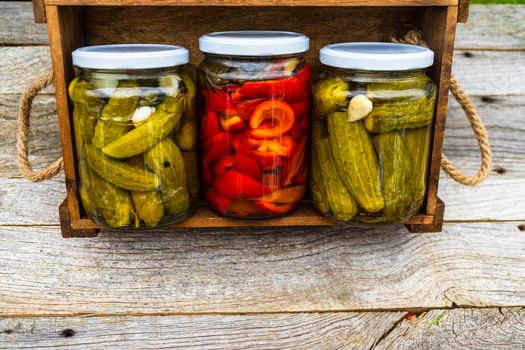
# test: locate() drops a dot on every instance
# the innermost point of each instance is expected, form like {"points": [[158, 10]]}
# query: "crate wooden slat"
{"points": [[76, 23]]}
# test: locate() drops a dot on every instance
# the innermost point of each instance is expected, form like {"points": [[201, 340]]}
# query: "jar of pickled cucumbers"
{"points": [[254, 90], [135, 132], [372, 120]]}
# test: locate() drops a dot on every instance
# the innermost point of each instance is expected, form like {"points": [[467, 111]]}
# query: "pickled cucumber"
{"points": [[191, 167], [154, 129], [396, 166], [406, 114], [355, 160], [329, 96], [123, 102], [119, 173], [381, 91], [187, 135], [417, 143], [341, 203], [148, 205], [103, 201], [189, 97], [165, 159], [108, 131]]}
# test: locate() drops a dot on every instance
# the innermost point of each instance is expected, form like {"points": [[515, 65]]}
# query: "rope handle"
{"points": [[24, 112], [413, 37]]}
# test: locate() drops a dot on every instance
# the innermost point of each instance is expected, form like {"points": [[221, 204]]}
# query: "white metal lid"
{"points": [[130, 56], [376, 56], [254, 43]]}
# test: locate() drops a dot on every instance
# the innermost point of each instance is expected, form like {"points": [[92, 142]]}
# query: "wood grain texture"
{"points": [[17, 24], [480, 329], [247, 3], [39, 11], [489, 27], [273, 270], [277, 331]]}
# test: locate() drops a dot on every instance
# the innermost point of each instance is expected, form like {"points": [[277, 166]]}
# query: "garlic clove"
{"points": [[359, 107], [170, 84], [141, 114]]}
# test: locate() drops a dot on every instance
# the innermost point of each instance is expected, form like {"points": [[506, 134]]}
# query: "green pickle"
{"points": [[129, 134], [166, 160], [370, 157], [341, 203], [356, 161]]}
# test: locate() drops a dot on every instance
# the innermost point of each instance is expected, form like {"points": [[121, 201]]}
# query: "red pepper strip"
{"points": [[290, 89], [233, 184], [277, 114], [216, 148], [224, 164], [218, 202], [298, 133], [237, 139], [288, 195], [231, 122], [207, 177], [246, 163], [246, 108], [304, 123], [218, 101], [210, 126], [272, 180], [301, 177], [296, 163], [242, 207], [301, 108], [270, 163], [272, 208], [282, 146]]}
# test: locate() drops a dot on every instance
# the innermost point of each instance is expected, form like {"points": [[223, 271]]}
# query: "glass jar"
{"points": [[254, 88], [372, 122], [135, 131]]}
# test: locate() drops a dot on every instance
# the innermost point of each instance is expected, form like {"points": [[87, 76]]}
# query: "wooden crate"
{"points": [[76, 23]]}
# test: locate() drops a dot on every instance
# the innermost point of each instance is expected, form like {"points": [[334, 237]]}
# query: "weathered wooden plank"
{"points": [[276, 331], [480, 329], [480, 72], [277, 270], [17, 25], [493, 27]]}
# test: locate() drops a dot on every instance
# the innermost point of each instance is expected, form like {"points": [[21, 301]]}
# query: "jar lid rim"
{"points": [[130, 56], [376, 56], [254, 43]]}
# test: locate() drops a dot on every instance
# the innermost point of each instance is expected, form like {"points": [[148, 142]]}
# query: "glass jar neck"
{"points": [[126, 74], [366, 75]]}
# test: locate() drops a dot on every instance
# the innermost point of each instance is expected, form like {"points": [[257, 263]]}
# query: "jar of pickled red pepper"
{"points": [[372, 121], [135, 134], [254, 88]]}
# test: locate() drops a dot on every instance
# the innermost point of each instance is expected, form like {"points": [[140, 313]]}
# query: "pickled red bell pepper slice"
{"points": [[281, 146], [207, 177], [242, 207], [218, 202], [224, 164], [272, 208], [230, 121], [298, 133], [296, 164], [216, 147], [246, 163], [246, 108], [301, 108], [235, 185], [290, 89], [210, 126], [287, 195], [272, 180], [218, 101], [271, 119], [238, 138]]}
